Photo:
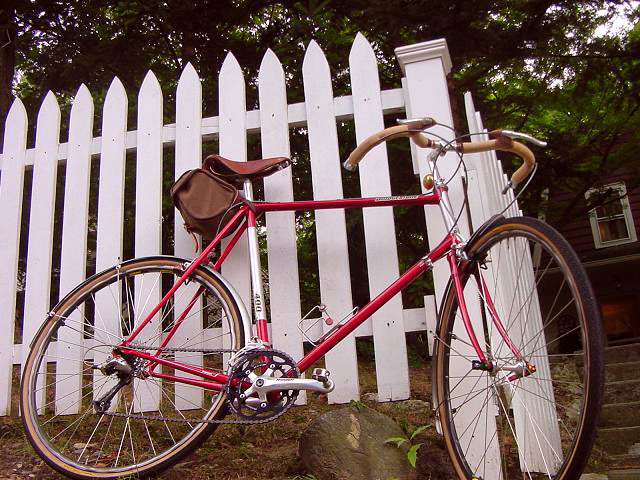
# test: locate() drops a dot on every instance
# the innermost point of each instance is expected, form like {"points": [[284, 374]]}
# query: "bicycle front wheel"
{"points": [[532, 413], [151, 421]]}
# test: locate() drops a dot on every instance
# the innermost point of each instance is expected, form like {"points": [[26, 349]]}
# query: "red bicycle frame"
{"points": [[245, 218]]}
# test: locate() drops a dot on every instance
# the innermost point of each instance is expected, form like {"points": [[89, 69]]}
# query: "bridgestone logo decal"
{"points": [[401, 197]]}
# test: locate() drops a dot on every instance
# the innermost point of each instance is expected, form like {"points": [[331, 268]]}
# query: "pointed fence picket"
{"points": [[233, 145], [43, 194], [331, 231], [11, 186], [148, 234], [110, 223], [74, 247], [424, 92], [380, 235], [188, 156], [284, 288]]}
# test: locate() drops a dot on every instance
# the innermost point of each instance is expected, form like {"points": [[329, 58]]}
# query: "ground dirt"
{"points": [[269, 451]]}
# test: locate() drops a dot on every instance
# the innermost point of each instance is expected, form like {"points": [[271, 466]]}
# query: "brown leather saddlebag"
{"points": [[203, 199]]}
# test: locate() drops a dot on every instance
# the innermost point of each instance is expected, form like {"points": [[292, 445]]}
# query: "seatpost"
{"points": [[259, 308]]}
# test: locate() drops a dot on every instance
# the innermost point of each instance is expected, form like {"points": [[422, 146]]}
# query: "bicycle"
{"points": [[145, 393]]}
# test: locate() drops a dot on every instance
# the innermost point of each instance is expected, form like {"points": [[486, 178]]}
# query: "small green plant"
{"points": [[307, 476], [358, 405], [412, 453]]}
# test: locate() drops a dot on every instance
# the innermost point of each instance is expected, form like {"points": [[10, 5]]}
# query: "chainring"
{"points": [[247, 369]]}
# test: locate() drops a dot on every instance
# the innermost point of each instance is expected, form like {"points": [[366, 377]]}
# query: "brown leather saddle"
{"points": [[238, 172]]}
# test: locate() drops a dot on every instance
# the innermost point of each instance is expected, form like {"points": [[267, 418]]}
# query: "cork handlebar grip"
{"points": [[391, 133], [505, 144]]}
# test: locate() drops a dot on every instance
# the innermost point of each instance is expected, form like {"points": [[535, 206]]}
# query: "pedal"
{"points": [[321, 374]]}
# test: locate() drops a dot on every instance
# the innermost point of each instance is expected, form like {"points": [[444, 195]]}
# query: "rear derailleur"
{"points": [[124, 367]]}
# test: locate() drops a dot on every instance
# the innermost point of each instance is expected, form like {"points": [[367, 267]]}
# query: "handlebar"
{"points": [[502, 140], [410, 128], [504, 143]]}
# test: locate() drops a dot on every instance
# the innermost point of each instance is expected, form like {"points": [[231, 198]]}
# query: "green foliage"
{"points": [[412, 452], [357, 405], [558, 70], [398, 441]]}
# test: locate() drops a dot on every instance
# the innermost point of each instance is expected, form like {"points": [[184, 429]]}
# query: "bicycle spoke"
{"points": [[513, 430], [84, 449]]}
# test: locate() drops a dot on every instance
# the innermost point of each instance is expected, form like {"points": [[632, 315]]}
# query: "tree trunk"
{"points": [[7, 62]]}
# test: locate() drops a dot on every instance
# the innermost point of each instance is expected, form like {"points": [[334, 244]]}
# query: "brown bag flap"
{"points": [[202, 195]]}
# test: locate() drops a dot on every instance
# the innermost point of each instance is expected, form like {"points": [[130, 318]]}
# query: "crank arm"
{"points": [[262, 386]]}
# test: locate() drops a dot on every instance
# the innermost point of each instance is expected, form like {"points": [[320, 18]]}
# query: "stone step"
{"points": [[625, 461], [632, 474], [622, 353], [617, 440], [622, 392], [620, 415], [617, 372]]}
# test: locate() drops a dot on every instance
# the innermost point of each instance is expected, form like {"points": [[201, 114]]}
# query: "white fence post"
{"points": [[426, 66], [11, 186]]}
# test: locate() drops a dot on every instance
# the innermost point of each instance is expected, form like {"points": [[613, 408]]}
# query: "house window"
{"points": [[612, 222]]}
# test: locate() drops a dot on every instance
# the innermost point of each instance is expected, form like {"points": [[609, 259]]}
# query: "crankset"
{"points": [[251, 375]]}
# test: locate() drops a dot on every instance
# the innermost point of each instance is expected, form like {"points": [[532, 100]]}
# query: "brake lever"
{"points": [[425, 122], [523, 136]]}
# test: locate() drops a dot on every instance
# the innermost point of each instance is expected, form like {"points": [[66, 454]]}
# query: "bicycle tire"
{"points": [[57, 411], [568, 348]]}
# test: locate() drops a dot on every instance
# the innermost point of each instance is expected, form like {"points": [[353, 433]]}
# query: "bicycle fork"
{"points": [[521, 367]]}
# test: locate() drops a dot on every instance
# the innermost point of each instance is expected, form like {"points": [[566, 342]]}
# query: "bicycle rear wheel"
{"points": [[514, 421], [150, 422]]}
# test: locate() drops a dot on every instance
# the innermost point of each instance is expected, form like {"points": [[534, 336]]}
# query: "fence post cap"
{"points": [[419, 52]]}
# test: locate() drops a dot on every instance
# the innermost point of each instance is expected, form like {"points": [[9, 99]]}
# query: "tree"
{"points": [[546, 67]]}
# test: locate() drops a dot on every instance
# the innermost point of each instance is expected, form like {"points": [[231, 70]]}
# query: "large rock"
{"points": [[349, 444]]}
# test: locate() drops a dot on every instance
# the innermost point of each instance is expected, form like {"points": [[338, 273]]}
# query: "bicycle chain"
{"points": [[156, 418]]}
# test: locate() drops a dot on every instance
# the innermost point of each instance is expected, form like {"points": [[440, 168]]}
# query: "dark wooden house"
{"points": [[606, 240]]}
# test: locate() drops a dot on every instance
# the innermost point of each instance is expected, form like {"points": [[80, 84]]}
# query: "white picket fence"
{"points": [[319, 114], [423, 93]]}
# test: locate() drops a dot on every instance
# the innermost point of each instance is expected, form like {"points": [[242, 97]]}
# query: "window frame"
{"points": [[621, 188]]}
